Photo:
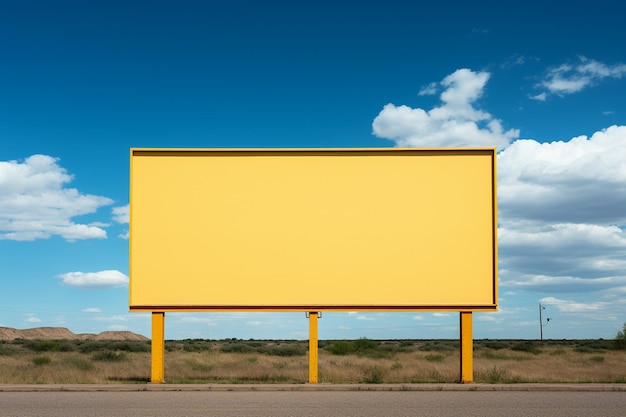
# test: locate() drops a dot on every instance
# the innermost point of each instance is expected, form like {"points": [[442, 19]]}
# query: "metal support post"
{"points": [[158, 348], [467, 349], [313, 346]]}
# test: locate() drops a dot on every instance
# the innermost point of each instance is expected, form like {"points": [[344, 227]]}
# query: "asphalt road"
{"points": [[313, 403]]}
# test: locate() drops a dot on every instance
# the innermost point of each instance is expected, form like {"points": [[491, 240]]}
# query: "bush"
{"points": [[130, 346], [493, 344], [41, 360], [89, 346], [292, 350], [197, 346], [43, 345], [364, 344], [620, 338], [237, 348], [342, 348], [109, 356], [6, 349], [528, 347]]}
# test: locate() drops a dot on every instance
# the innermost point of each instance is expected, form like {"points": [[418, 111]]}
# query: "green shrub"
{"points": [[364, 344], [528, 347], [439, 346], [620, 339], [237, 347], [197, 346], [493, 344], [7, 349], [396, 347], [43, 345], [41, 360], [109, 356], [342, 347], [89, 346], [286, 350], [130, 346]]}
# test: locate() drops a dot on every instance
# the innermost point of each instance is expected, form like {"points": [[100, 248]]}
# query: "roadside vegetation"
{"points": [[340, 361]]}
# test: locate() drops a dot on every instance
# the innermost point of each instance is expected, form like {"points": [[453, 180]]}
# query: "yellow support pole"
{"points": [[467, 349], [313, 345], [158, 348]]}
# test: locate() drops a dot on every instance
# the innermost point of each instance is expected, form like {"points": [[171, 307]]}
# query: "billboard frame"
{"points": [[152, 158]]}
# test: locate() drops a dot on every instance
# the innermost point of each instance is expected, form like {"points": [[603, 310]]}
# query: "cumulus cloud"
{"points": [[569, 306], [587, 250], [117, 328], [122, 214], [33, 319], [34, 203], [572, 78], [204, 320], [582, 180], [457, 122], [561, 211], [97, 280], [561, 284]]}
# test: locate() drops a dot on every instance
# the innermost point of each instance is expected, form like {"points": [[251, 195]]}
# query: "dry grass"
{"points": [[554, 364], [189, 363]]}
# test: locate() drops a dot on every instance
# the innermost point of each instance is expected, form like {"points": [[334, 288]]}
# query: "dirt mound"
{"points": [[61, 333], [125, 335]]}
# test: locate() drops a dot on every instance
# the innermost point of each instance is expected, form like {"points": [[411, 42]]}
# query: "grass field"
{"points": [[356, 361]]}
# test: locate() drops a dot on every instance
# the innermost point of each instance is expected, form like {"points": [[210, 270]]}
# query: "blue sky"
{"points": [[83, 82]]}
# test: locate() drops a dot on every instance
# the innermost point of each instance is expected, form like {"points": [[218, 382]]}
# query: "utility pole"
{"points": [[541, 322]]}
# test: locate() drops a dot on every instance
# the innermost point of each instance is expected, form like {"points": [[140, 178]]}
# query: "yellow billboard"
{"points": [[313, 230]]}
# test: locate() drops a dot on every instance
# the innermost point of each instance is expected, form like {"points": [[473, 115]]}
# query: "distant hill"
{"points": [[61, 333]]}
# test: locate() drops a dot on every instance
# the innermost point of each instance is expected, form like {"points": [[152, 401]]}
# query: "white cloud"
{"points": [[122, 214], [563, 284], [118, 317], [91, 310], [33, 319], [540, 97], [117, 328], [35, 205], [561, 212], [457, 122], [193, 319], [569, 79], [582, 180], [100, 280], [428, 90], [568, 306]]}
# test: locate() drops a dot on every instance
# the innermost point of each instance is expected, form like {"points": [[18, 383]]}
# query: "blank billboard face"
{"points": [[313, 230]]}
